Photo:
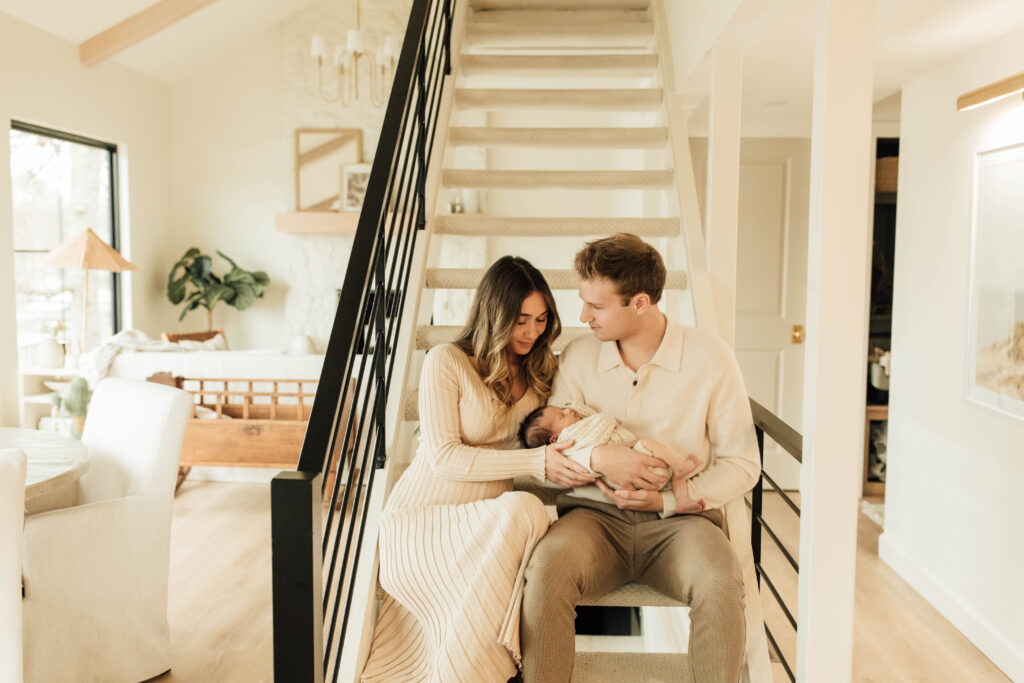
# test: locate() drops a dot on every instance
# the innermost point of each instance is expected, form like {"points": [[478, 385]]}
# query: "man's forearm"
{"points": [[726, 480]]}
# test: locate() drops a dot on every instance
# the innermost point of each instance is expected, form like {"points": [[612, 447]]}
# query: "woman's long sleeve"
{"points": [[440, 393]]}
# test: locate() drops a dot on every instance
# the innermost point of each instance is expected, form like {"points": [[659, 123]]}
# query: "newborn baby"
{"points": [[588, 428]]}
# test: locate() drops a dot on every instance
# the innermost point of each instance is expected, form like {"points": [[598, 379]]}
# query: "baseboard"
{"points": [[1003, 654]]}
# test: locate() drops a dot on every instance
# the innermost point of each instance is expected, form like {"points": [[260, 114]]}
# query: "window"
{"points": [[62, 184]]}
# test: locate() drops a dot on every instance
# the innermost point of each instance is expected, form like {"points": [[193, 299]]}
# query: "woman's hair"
{"points": [[487, 336], [629, 262]]}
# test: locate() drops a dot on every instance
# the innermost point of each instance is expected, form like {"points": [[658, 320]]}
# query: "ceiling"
{"points": [[174, 52], [912, 37]]}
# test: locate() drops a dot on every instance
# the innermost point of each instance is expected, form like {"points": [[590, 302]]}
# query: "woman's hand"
{"points": [[628, 498], [562, 470]]}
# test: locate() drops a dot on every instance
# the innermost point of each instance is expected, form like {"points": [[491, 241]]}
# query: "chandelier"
{"points": [[380, 65]]}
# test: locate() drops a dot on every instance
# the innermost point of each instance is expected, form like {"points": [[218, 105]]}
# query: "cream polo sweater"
{"points": [[690, 397]]}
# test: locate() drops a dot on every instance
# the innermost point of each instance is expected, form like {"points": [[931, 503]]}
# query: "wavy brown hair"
{"points": [[629, 262], [487, 336]]}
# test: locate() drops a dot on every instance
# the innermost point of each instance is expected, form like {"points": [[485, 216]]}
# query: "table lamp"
{"points": [[88, 252]]}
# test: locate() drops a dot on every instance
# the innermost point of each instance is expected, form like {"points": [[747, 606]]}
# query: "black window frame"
{"points": [[115, 218]]}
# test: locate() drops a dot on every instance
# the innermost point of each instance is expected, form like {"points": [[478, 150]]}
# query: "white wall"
{"points": [[232, 126], [228, 180], [955, 469], [43, 83]]}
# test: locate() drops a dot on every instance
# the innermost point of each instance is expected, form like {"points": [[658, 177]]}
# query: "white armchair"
{"points": [[12, 517], [95, 574]]}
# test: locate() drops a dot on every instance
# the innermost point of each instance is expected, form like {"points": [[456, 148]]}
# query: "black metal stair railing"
{"points": [[315, 559], [766, 423]]}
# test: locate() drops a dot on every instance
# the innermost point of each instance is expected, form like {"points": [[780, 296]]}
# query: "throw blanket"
{"points": [[96, 364]]}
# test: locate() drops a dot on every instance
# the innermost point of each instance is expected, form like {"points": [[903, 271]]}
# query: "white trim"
{"points": [[1000, 651]]}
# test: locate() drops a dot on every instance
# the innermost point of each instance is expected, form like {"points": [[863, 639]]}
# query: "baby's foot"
{"points": [[690, 464], [688, 506]]}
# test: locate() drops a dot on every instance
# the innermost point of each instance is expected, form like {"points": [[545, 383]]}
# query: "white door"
{"points": [[771, 283]]}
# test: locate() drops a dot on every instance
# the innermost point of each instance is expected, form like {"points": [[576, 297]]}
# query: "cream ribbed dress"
{"points": [[455, 539]]}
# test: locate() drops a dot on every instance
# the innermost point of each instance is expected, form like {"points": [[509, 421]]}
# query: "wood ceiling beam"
{"points": [[136, 28]]}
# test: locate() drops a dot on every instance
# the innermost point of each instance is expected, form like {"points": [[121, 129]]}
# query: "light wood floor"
{"points": [[220, 599]]}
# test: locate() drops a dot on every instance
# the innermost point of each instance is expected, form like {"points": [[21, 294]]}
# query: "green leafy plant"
{"points": [[238, 287], [76, 398]]}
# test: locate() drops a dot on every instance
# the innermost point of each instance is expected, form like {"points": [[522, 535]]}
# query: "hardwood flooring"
{"points": [[220, 599]]}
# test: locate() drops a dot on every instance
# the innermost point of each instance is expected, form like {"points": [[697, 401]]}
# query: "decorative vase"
{"points": [[49, 353]]}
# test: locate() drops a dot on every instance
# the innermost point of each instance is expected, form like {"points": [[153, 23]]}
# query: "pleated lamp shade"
{"points": [[87, 251]]}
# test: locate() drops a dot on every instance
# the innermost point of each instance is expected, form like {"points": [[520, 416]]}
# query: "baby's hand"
{"points": [[688, 506]]}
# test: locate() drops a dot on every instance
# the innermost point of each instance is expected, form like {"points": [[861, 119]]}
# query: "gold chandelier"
{"points": [[347, 59]]}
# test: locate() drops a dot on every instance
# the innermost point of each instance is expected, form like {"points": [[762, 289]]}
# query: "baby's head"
{"points": [[543, 425]]}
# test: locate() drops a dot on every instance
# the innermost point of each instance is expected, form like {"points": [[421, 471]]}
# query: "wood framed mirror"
{"points": [[320, 154]]}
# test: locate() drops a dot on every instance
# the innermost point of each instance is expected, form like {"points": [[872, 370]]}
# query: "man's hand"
{"points": [[623, 465], [628, 498], [562, 470]]}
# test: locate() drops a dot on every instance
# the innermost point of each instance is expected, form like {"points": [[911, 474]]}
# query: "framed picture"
{"points": [[996, 328], [319, 153], [354, 178]]}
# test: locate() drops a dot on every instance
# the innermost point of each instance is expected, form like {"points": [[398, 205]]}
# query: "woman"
{"points": [[455, 539]]}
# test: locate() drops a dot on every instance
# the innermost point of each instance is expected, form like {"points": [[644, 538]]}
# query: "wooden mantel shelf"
{"points": [[332, 222]]}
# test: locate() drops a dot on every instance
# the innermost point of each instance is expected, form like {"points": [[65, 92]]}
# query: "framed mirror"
{"points": [[320, 154]]}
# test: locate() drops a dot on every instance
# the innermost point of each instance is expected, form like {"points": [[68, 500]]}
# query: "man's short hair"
{"points": [[626, 260], [531, 434]]}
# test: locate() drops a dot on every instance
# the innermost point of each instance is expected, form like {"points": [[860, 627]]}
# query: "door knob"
{"points": [[797, 335]]}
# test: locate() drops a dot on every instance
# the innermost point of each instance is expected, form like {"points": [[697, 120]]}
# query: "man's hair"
{"points": [[531, 434], [626, 260]]}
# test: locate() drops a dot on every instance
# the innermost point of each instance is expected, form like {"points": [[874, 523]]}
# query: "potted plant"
{"points": [[72, 402], [193, 283]]}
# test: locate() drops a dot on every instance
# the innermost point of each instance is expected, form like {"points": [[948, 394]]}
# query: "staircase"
{"points": [[564, 96], [555, 115]]}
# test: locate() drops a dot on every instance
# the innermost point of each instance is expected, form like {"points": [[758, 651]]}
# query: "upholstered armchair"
{"points": [[12, 514], [95, 574]]}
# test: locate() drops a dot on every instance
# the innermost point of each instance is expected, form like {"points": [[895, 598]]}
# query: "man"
{"points": [[682, 387]]}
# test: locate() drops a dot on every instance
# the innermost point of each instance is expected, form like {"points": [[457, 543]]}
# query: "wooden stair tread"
{"points": [[559, 138], [547, 65], [469, 278], [591, 99], [470, 224], [530, 179]]}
